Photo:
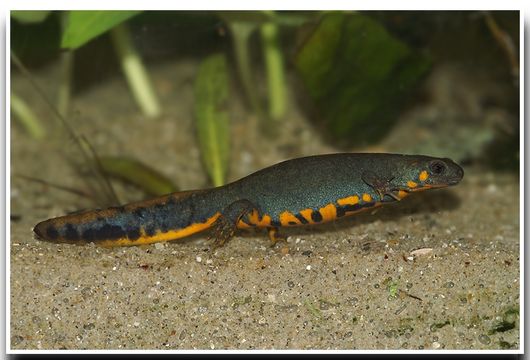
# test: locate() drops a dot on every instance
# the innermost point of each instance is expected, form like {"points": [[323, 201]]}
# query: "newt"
{"points": [[302, 191]]}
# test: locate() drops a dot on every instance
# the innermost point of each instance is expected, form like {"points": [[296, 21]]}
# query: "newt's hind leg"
{"points": [[274, 236], [225, 226]]}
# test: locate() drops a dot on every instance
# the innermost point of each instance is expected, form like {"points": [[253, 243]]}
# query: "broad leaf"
{"points": [[83, 26]]}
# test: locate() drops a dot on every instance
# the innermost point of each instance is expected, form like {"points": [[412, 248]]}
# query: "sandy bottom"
{"points": [[439, 270]]}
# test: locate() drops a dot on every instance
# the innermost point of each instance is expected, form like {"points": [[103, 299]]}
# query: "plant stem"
{"points": [[135, 72], [275, 70], [64, 94], [241, 32], [26, 116], [65, 86]]}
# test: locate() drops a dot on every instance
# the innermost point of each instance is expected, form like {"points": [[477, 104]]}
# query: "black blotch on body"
{"points": [[52, 233], [302, 219], [293, 223], [110, 232], [165, 226], [89, 235], [316, 216], [276, 223], [345, 209], [133, 234], [150, 230], [70, 233]]}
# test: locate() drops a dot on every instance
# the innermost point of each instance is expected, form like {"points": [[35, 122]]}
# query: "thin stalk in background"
{"points": [[27, 117], [105, 189], [274, 67], [241, 32], [64, 94], [135, 72]]}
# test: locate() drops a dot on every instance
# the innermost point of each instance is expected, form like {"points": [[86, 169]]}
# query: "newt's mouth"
{"points": [[453, 181], [450, 182], [413, 186], [428, 186]]}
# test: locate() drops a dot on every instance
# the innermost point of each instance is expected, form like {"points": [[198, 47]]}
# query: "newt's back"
{"points": [[315, 181]]}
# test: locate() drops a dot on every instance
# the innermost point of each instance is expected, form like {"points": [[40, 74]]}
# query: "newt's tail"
{"points": [[162, 219]]}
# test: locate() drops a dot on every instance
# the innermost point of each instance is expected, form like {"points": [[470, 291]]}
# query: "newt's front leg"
{"points": [[382, 186], [225, 225]]}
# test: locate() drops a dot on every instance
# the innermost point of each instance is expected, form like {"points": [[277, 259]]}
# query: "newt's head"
{"points": [[394, 176], [428, 173]]}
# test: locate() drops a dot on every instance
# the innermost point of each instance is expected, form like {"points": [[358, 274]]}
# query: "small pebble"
{"points": [[449, 284], [492, 188], [353, 300], [485, 339], [17, 339], [421, 252], [89, 326]]}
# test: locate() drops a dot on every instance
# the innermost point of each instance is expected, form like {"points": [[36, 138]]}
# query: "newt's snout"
{"points": [[455, 173], [458, 176]]}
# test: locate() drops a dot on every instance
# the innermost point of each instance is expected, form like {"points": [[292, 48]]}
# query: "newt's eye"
{"points": [[437, 167]]}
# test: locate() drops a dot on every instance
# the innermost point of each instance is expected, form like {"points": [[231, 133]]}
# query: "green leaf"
{"points": [[212, 119], [82, 26], [29, 17], [358, 75], [290, 18], [250, 17], [136, 173]]}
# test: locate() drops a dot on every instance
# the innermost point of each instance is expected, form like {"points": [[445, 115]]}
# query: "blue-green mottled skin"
{"points": [[315, 181], [312, 182]]}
